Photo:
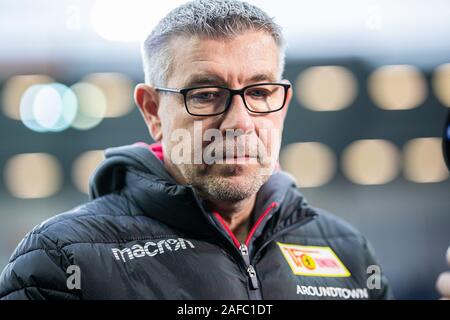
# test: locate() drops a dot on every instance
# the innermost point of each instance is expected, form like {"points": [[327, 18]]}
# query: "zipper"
{"points": [[255, 290], [250, 269], [243, 254], [255, 294]]}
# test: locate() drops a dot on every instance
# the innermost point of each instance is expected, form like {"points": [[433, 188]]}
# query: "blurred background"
{"points": [[363, 134]]}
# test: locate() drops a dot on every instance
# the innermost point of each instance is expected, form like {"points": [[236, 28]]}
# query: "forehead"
{"points": [[249, 57]]}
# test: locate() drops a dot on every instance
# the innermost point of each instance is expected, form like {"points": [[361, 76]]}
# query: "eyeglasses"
{"points": [[215, 100]]}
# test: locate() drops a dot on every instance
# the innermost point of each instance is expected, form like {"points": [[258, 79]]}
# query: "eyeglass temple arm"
{"points": [[167, 89]]}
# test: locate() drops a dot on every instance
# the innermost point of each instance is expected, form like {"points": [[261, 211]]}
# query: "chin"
{"points": [[230, 182], [231, 188]]}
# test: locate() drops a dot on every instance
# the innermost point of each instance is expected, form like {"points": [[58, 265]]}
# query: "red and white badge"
{"points": [[313, 261]]}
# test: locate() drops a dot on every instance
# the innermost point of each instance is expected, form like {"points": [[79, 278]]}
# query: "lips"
{"points": [[235, 156], [241, 160], [234, 151]]}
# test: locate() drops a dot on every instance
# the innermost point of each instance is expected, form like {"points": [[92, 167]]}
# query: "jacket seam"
{"points": [[158, 237], [326, 237], [91, 242], [30, 251], [44, 228], [106, 242], [38, 287]]}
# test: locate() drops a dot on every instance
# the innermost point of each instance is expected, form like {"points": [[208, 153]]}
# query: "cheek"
{"points": [[182, 131], [172, 123], [269, 129]]}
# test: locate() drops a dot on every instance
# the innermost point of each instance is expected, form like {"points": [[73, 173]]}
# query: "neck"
{"points": [[236, 215]]}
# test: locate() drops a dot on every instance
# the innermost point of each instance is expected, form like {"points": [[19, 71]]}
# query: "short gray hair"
{"points": [[212, 19]]}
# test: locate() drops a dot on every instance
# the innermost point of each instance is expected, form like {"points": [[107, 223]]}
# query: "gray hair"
{"points": [[212, 19]]}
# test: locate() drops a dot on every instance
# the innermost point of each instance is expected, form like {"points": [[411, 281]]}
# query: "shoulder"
{"points": [[37, 267], [330, 230], [329, 225], [107, 219], [349, 244]]}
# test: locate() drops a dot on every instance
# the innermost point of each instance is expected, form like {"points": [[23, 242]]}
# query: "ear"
{"points": [[147, 100], [288, 98]]}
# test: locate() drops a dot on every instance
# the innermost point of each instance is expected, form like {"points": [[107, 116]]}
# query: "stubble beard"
{"points": [[228, 183]]}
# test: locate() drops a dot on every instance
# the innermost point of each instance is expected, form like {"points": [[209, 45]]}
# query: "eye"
{"points": [[205, 96], [258, 92]]}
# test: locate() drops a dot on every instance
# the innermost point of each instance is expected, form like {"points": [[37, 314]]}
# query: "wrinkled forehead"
{"points": [[249, 57]]}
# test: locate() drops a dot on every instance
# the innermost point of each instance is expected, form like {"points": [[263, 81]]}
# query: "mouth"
{"points": [[241, 159]]}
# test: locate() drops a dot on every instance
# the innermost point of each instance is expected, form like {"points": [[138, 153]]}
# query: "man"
{"points": [[443, 281], [205, 212]]}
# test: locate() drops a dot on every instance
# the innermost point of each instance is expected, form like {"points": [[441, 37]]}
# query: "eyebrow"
{"points": [[210, 79], [204, 79]]}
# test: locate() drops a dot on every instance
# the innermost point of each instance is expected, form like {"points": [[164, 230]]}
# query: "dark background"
{"points": [[406, 220]]}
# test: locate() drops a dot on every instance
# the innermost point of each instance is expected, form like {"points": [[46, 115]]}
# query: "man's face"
{"points": [[250, 142]]}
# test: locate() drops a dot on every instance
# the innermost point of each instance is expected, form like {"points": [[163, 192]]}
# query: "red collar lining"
{"points": [[155, 148], [252, 231]]}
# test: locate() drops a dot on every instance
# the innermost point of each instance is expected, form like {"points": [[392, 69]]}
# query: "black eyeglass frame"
{"points": [[233, 92]]}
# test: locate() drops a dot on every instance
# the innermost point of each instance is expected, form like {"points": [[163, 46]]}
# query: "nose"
{"points": [[237, 117]]}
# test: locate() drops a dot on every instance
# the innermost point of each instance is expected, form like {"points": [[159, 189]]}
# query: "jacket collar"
{"points": [[139, 173]]}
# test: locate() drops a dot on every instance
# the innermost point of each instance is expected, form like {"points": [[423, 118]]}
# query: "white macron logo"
{"points": [[151, 249]]}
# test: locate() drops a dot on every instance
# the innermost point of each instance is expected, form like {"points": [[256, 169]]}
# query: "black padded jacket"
{"points": [[142, 236]]}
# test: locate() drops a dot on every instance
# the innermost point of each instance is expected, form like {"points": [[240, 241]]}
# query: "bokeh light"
{"points": [[48, 107], [128, 21], [371, 162], [312, 164], [424, 161], [27, 106], [118, 90], [33, 175], [84, 166], [326, 88], [91, 105], [441, 84], [397, 87], [13, 90]]}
